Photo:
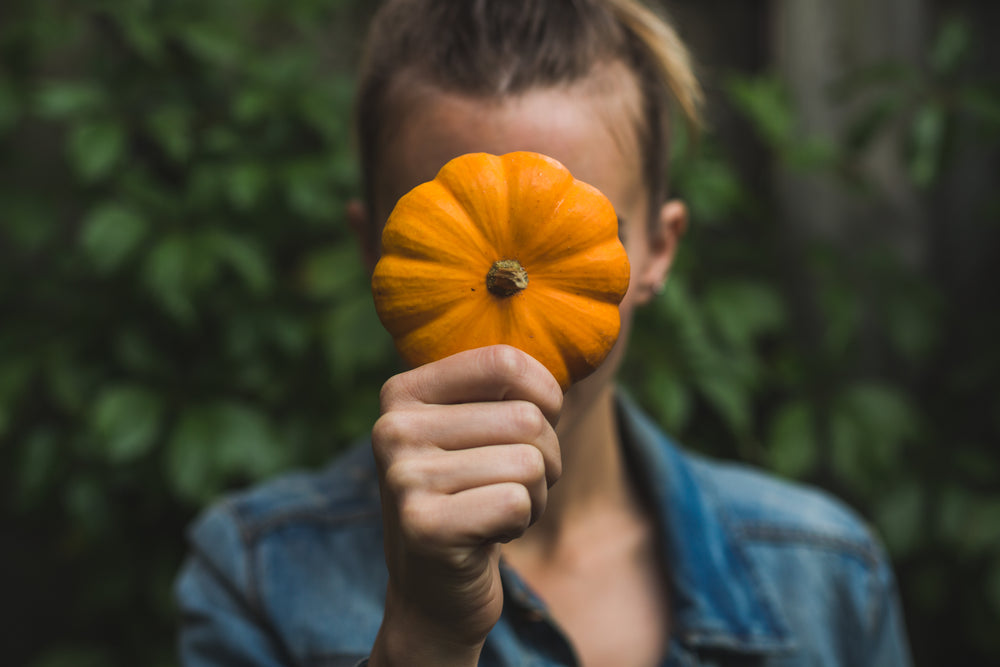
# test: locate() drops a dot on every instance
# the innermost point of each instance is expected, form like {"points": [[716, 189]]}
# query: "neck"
{"points": [[594, 483]]}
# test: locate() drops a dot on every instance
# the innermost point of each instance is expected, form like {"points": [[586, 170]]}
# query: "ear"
{"points": [[359, 220], [664, 237]]}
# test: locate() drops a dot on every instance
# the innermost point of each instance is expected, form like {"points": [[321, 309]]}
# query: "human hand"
{"points": [[466, 450]]}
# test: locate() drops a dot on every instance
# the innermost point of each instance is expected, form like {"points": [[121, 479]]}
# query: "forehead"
{"points": [[590, 126]]}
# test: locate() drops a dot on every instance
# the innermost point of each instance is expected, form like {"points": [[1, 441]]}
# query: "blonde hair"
{"points": [[494, 48]]}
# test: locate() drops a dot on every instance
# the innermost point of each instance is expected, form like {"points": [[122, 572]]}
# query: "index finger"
{"points": [[494, 373]]}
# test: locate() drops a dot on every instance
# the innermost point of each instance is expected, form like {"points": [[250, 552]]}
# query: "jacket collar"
{"points": [[717, 602]]}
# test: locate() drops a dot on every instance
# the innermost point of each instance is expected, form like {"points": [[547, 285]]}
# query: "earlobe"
{"points": [[359, 220], [664, 238]]}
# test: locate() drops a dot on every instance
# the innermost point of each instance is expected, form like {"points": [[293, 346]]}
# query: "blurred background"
{"points": [[182, 310]]}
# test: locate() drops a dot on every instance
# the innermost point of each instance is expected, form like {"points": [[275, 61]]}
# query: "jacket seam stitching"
{"points": [[777, 534], [254, 599], [245, 595], [776, 620], [876, 597], [253, 595]]}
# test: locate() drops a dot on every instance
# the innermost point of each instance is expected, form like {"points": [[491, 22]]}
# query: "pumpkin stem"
{"points": [[506, 277]]}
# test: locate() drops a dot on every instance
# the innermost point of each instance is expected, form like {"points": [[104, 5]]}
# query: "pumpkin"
{"points": [[503, 249]]}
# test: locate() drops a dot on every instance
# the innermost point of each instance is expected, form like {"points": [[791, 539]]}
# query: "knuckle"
{"points": [[401, 389], [416, 522], [528, 420], [530, 462], [384, 438], [390, 392], [515, 502], [392, 429], [403, 476], [556, 396], [554, 471], [506, 361], [396, 440]]}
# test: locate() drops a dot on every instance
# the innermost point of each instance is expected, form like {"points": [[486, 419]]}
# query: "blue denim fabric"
{"points": [[763, 572]]}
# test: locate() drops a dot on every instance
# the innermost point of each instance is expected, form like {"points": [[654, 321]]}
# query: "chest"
{"points": [[611, 603], [618, 617]]}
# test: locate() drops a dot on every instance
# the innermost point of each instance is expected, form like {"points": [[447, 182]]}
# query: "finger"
{"points": [[448, 473], [494, 373], [457, 427], [470, 518]]}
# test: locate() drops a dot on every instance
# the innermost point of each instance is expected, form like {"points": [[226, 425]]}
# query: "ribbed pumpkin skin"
{"points": [[442, 238]]}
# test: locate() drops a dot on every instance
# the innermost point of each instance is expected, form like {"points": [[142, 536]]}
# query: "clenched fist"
{"points": [[466, 450]]}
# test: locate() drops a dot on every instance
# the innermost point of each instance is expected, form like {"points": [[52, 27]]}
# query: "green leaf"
{"points": [[60, 100], [142, 32], [165, 274], [764, 100], [126, 422], [870, 424], [246, 183], [111, 232], [248, 443], [671, 398], [252, 104], [288, 333], [170, 126], [743, 311], [951, 47], [211, 443], [841, 306], [711, 188], [211, 43], [308, 190], [353, 337], [177, 267], [95, 148], [927, 144], [244, 256], [190, 466], [885, 416], [331, 272], [847, 444], [730, 400], [792, 447]]}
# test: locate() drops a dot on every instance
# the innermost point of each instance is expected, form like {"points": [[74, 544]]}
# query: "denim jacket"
{"points": [[762, 572]]}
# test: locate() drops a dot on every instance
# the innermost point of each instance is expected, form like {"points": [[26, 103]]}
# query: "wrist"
{"points": [[409, 638]]}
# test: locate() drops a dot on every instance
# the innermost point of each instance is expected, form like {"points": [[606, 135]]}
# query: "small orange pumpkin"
{"points": [[503, 249]]}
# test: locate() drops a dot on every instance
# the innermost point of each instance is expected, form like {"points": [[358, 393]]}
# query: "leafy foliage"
{"points": [[182, 310], [840, 361]]}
